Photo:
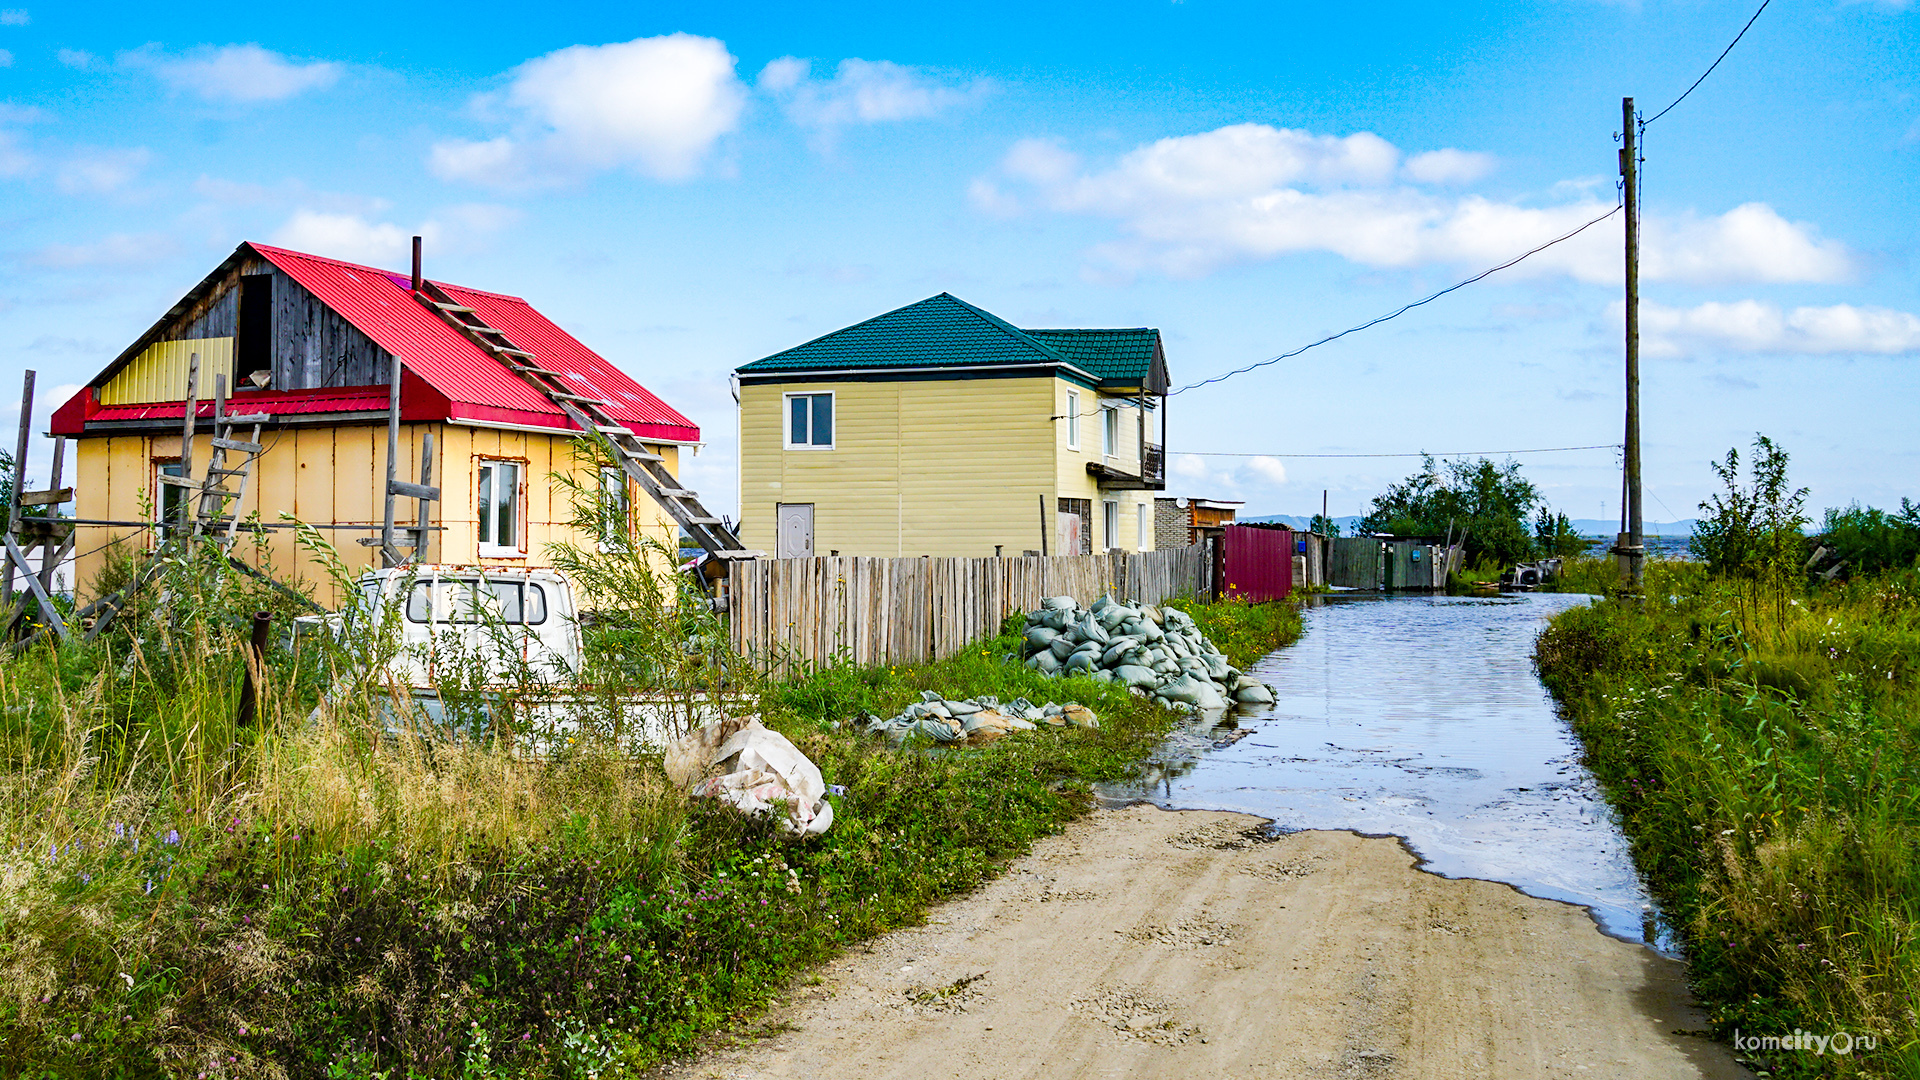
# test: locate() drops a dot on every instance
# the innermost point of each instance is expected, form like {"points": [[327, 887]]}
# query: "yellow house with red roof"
{"points": [[311, 343]]}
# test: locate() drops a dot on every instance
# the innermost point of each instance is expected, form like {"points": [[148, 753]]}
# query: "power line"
{"points": [[1424, 300], [1420, 454], [1710, 67]]}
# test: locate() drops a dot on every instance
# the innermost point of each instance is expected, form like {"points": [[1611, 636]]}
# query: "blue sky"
{"points": [[688, 188]]}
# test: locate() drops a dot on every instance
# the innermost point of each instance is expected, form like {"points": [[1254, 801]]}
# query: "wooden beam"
{"points": [[19, 470]]}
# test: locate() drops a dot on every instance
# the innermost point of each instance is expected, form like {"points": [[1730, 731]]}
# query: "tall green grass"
{"points": [[331, 893], [1765, 762]]}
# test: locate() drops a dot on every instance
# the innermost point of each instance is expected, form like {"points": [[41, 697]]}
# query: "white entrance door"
{"points": [[793, 523]]}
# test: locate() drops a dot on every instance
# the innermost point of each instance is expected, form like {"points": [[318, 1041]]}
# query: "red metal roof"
{"points": [[476, 385], [448, 376]]}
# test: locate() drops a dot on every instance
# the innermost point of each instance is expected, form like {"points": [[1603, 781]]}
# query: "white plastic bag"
{"points": [[766, 772]]}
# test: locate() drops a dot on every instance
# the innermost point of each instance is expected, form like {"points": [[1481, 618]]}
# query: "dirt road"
{"points": [[1143, 943]]}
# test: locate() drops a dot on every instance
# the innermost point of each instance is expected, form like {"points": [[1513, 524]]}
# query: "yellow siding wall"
{"points": [[335, 475], [160, 372], [1074, 483], [950, 467]]}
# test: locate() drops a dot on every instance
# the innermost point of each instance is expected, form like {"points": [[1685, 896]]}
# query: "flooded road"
{"points": [[1419, 717]]}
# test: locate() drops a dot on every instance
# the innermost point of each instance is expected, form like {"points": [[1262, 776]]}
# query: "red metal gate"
{"points": [[1256, 564]]}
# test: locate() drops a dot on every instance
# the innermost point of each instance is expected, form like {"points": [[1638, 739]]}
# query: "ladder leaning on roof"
{"points": [[647, 468]]}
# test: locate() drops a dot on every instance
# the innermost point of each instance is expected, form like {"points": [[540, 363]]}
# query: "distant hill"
{"points": [[1295, 521], [1606, 529]]}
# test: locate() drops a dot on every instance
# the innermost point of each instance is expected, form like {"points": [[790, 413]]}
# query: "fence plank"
{"points": [[790, 613]]}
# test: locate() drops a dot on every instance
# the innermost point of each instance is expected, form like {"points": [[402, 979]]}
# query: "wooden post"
{"points": [[256, 670], [426, 480], [49, 551], [1043, 524], [19, 471], [186, 439], [388, 555], [1630, 170]]}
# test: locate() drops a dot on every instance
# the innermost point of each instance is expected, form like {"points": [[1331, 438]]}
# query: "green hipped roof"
{"points": [[945, 330]]}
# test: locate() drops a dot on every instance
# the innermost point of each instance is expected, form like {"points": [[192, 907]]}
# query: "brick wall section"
{"points": [[1170, 525]]}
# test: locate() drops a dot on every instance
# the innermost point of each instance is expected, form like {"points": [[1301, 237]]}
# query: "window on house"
{"points": [[1112, 523], [167, 497], [1073, 419], [254, 348], [498, 501], [1110, 432], [616, 506], [1146, 526], [810, 421]]}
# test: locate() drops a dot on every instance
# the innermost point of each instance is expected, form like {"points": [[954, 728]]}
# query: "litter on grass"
{"points": [[760, 771]]}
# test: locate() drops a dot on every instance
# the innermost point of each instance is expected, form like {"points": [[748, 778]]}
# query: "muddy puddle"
{"points": [[1420, 717]]}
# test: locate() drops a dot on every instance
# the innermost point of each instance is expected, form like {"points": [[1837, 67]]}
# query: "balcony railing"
{"points": [[1152, 475], [1153, 465]]}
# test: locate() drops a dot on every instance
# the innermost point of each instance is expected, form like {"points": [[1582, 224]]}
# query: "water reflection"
{"points": [[1418, 717]]}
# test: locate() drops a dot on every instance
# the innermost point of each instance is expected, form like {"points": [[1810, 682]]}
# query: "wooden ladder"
{"points": [[647, 468]]}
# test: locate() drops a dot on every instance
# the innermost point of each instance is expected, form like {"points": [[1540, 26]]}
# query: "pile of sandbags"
{"points": [[977, 720], [1155, 650]]}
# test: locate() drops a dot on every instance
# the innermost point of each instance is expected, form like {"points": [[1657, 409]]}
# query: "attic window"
{"points": [[253, 349]]}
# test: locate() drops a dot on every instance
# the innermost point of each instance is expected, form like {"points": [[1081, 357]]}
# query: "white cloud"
{"points": [[861, 92], [15, 159], [1188, 205], [238, 73], [100, 171], [77, 59], [1266, 469], [354, 238], [117, 250], [1449, 166], [6, 59], [1756, 327], [654, 105], [15, 17]]}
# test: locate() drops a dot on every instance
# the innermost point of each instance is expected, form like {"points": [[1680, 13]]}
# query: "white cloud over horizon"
{"points": [[656, 106], [240, 74], [861, 92], [1189, 205], [353, 237], [116, 250], [1752, 326]]}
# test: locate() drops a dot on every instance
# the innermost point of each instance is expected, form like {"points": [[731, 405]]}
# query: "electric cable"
{"points": [[1419, 454], [1482, 275], [1710, 67]]}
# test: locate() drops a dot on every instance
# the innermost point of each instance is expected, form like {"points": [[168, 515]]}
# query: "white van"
{"points": [[480, 644]]}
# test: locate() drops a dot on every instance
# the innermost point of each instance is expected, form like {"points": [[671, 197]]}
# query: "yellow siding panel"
{"points": [[160, 372]]}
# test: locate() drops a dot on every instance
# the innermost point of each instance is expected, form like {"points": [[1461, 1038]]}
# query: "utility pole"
{"points": [[1631, 545]]}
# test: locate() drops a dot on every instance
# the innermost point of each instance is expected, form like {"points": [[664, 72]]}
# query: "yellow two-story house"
{"points": [[942, 429]]}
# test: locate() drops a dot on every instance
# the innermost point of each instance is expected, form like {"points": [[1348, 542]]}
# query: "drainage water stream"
{"points": [[1420, 717]]}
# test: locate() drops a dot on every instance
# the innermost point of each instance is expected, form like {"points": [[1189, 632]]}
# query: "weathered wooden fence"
{"points": [[902, 611], [1370, 562]]}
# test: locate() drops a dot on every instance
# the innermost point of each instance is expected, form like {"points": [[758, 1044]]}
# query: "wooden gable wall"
{"points": [[312, 347]]}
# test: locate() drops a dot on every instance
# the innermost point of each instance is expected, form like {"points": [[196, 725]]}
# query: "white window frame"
{"points": [[166, 516], [786, 419], [1110, 523], [1073, 419], [1110, 431], [616, 508], [487, 517], [1146, 526]]}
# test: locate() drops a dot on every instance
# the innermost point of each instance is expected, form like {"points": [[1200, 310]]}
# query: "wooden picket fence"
{"points": [[788, 613]]}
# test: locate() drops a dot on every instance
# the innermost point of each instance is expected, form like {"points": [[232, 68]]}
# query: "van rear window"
{"points": [[466, 600]]}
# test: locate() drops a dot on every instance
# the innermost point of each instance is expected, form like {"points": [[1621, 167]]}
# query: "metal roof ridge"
{"points": [[266, 249]]}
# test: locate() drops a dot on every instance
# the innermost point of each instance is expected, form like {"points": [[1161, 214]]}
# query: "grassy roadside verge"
{"points": [[185, 898], [1765, 763]]}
